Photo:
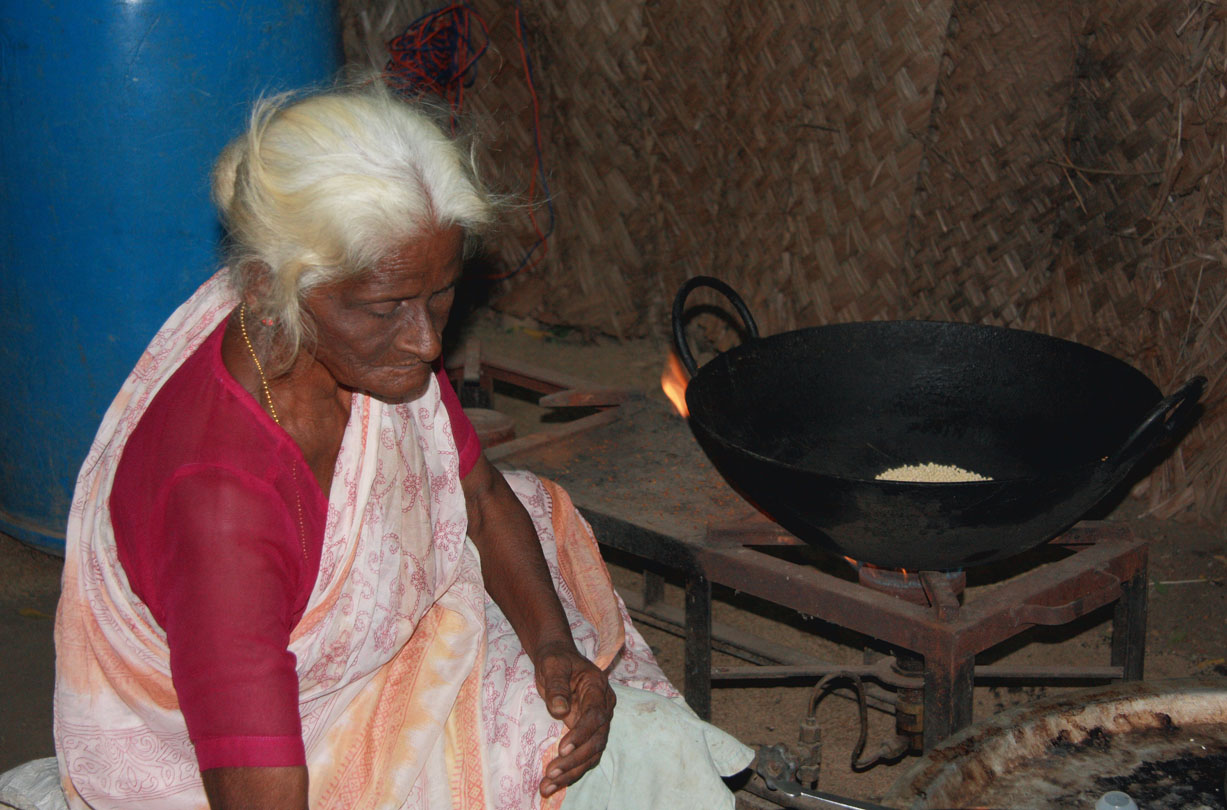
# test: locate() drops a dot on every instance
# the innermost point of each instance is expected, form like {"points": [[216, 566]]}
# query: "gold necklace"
{"points": [[268, 395]]}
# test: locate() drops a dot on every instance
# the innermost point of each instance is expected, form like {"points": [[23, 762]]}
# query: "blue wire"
{"points": [[452, 50]]}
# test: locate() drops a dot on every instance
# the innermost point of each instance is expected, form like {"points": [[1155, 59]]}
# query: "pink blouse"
{"points": [[218, 525]]}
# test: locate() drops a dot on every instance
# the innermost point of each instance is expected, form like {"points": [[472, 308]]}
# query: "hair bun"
{"points": [[225, 174]]}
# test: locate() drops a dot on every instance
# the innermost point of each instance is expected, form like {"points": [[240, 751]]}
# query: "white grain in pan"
{"points": [[930, 473]]}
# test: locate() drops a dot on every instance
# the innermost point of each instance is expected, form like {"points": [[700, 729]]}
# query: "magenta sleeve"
{"points": [[227, 574], [467, 443]]}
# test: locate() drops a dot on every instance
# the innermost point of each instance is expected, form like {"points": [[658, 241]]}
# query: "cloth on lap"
{"points": [[660, 756], [33, 786]]}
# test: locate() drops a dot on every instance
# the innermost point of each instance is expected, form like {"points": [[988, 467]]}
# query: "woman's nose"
{"points": [[419, 337]]}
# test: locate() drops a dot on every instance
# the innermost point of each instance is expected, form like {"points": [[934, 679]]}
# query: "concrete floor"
{"points": [[29, 588]]}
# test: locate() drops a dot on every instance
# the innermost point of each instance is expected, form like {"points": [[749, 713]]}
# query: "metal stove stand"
{"points": [[1108, 565]]}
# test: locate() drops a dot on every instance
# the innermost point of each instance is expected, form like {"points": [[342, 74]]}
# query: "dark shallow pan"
{"points": [[801, 423]]}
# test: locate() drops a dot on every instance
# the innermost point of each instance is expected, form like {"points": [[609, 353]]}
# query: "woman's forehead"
{"points": [[438, 247], [433, 257]]}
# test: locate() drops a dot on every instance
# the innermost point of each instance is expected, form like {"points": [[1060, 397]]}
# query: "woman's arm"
{"points": [[517, 578], [226, 581], [256, 788]]}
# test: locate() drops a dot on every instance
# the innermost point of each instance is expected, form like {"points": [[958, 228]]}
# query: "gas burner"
{"points": [[911, 586]]}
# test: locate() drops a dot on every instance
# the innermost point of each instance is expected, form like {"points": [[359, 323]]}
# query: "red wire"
{"points": [[422, 57]]}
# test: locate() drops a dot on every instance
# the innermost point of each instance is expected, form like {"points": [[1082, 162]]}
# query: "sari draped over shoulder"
{"points": [[413, 690]]}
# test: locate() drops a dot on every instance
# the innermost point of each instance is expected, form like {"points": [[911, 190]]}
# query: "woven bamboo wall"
{"points": [[828, 105], [1057, 167], [989, 201], [1089, 202]]}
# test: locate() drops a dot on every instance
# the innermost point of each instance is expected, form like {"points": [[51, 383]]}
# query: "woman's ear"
{"points": [[257, 278]]}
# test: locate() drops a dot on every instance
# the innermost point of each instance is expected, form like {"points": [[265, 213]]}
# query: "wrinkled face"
{"points": [[379, 332]]}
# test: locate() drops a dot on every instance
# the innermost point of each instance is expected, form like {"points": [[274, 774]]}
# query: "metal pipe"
{"points": [[986, 671]]}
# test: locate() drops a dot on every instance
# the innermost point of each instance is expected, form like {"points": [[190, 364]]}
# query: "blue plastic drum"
{"points": [[112, 114]]}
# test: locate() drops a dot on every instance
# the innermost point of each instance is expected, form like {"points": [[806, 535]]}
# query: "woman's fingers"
{"points": [[581, 692], [555, 674], [583, 756], [565, 778], [595, 713]]}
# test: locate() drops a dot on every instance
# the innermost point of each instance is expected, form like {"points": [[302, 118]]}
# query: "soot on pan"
{"points": [[1181, 783], [1171, 767]]}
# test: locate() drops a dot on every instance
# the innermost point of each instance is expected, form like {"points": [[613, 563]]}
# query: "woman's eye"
{"points": [[443, 298], [383, 309]]}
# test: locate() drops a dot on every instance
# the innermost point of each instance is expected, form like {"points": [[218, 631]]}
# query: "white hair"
{"points": [[323, 187]]}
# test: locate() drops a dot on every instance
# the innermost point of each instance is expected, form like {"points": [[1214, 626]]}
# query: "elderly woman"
{"points": [[293, 580]]}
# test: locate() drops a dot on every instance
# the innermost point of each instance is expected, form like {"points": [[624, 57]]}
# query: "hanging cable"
{"points": [[437, 54], [542, 244]]}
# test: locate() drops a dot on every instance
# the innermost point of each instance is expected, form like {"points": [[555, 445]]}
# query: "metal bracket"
{"points": [[777, 767]]}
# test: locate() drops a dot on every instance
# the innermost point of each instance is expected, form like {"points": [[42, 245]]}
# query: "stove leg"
{"points": [[948, 704], [653, 588], [1129, 627], [697, 685], [910, 701]]}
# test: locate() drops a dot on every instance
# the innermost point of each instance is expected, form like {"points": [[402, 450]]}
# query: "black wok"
{"points": [[801, 423]]}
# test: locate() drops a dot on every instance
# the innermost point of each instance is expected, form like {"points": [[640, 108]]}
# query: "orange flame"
{"points": [[673, 380], [857, 563]]}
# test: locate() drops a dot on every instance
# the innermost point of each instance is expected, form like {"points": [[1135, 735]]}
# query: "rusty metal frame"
{"points": [[474, 374], [1109, 566]]}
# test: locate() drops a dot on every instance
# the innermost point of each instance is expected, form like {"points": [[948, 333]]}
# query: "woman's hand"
{"points": [[578, 694]]}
